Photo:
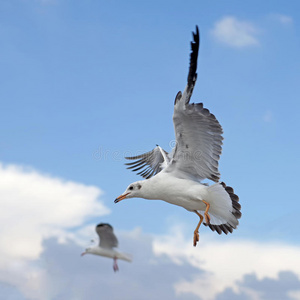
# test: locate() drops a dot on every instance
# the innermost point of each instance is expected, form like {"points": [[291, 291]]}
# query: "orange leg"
{"points": [[196, 232], [207, 217]]}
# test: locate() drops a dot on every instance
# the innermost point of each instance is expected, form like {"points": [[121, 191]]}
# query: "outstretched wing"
{"points": [[198, 133], [192, 76], [198, 143], [149, 163], [106, 235]]}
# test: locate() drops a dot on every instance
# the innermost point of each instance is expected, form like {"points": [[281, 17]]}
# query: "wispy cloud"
{"points": [[285, 286], [39, 251], [35, 206], [218, 268], [60, 273], [283, 19], [235, 33], [225, 263]]}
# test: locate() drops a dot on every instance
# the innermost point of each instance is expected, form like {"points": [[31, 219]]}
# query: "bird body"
{"points": [[176, 177], [188, 194], [179, 191], [107, 243], [106, 252]]}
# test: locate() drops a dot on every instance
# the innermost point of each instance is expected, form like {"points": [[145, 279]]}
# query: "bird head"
{"points": [[87, 250], [132, 191]]}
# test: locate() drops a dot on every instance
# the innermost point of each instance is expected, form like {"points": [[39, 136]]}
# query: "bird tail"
{"points": [[124, 256], [225, 210]]}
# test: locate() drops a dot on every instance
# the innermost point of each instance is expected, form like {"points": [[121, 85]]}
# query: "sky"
{"points": [[84, 84]]}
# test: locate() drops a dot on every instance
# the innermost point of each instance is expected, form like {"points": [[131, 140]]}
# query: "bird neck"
{"points": [[151, 187], [108, 252]]}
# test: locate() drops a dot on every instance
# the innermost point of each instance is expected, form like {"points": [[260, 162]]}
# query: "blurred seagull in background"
{"points": [[175, 177], [108, 241]]}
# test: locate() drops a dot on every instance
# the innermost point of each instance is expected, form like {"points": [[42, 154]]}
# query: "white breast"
{"points": [[177, 191]]}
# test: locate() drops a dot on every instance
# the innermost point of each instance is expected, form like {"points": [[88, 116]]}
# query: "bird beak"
{"points": [[83, 253], [121, 197]]}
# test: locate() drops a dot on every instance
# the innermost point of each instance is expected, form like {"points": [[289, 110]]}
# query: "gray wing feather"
{"points": [[198, 142], [198, 136], [149, 163], [198, 132], [106, 235]]}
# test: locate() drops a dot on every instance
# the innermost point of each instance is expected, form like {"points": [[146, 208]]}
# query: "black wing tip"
{"points": [[178, 97], [104, 224], [195, 43], [192, 77], [196, 35]]}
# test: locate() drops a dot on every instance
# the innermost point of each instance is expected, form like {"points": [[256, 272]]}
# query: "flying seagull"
{"points": [[108, 241], [176, 177]]}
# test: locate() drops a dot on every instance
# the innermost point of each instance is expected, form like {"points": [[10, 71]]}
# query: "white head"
{"points": [[94, 250], [88, 250], [134, 190]]}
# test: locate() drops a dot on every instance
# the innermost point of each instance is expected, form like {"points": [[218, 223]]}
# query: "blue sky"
{"points": [[85, 83]]}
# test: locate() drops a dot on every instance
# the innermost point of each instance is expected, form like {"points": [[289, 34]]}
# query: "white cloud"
{"points": [[40, 251], [216, 269], [235, 33], [226, 262], [34, 207], [283, 19], [60, 273], [295, 295]]}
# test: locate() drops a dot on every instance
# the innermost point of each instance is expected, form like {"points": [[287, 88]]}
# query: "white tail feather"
{"points": [[124, 256], [220, 206]]}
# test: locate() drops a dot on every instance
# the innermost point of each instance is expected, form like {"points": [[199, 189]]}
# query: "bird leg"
{"points": [[207, 217], [207, 221], [115, 266], [196, 232]]}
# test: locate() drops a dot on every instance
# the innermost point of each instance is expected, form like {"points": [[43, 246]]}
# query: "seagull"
{"points": [[108, 241], [177, 177]]}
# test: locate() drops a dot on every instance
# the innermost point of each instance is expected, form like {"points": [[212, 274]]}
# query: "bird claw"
{"points": [[196, 238], [115, 265], [116, 268]]}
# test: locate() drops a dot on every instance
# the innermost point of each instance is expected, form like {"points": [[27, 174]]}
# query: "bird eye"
{"points": [[131, 188]]}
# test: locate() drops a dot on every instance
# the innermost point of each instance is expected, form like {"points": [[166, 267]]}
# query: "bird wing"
{"points": [[149, 163], [198, 133], [106, 235]]}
